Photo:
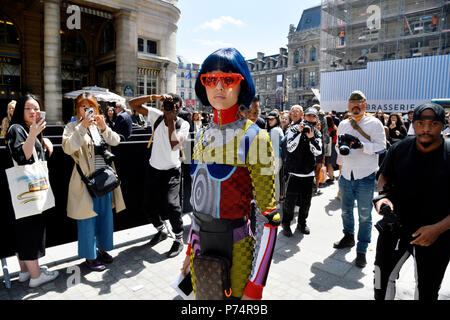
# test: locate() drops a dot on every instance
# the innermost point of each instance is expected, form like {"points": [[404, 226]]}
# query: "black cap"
{"points": [[273, 114], [439, 112]]}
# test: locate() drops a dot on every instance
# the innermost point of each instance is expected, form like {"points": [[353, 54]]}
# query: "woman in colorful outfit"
{"points": [[232, 167]]}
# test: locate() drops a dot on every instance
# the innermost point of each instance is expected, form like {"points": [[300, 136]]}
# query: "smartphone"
{"points": [[88, 113], [40, 115]]}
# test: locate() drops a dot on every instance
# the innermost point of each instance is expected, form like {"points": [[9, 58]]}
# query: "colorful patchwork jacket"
{"points": [[232, 167]]}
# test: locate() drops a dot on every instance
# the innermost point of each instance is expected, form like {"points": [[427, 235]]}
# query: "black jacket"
{"points": [[301, 152]]}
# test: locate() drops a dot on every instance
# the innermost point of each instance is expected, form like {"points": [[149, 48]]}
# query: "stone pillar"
{"points": [[126, 50], [52, 61]]}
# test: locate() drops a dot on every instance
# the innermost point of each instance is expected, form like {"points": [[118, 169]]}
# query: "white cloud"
{"points": [[219, 23]]}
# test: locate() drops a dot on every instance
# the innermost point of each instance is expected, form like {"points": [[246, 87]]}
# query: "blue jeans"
{"points": [[96, 232], [362, 191]]}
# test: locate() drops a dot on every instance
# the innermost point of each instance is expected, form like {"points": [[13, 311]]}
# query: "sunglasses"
{"points": [[228, 80]]}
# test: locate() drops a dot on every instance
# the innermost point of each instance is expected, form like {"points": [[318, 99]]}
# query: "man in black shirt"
{"points": [[414, 182], [303, 145]]}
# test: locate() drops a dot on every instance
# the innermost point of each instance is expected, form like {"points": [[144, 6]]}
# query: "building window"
{"points": [[107, 40], [297, 57], [268, 83], [295, 81], [312, 78], [313, 54], [147, 46], [147, 84], [182, 83]]}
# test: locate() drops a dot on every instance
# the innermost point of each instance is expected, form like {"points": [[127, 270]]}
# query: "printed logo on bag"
{"points": [[36, 184]]}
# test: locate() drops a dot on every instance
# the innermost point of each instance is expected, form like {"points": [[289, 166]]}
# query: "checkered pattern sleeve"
{"points": [[261, 167]]}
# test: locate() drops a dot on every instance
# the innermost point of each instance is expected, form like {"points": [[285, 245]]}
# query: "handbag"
{"points": [[30, 188], [212, 277], [102, 182]]}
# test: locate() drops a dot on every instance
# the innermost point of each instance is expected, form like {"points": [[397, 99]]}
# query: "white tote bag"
{"points": [[29, 187]]}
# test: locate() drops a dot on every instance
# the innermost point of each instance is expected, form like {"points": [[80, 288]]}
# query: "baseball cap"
{"points": [[439, 112], [272, 114], [311, 110], [357, 95]]}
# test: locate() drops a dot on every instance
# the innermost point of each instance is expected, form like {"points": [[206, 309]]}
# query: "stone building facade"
{"points": [[53, 46], [287, 78]]}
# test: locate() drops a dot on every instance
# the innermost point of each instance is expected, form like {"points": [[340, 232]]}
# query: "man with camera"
{"points": [[303, 145], [360, 139], [163, 179], [413, 187]]}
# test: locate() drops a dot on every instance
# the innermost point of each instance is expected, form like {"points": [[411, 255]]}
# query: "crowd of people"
{"points": [[249, 171]]}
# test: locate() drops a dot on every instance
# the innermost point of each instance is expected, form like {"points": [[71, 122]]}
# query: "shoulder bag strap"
{"points": [[356, 126], [83, 177], [155, 125]]}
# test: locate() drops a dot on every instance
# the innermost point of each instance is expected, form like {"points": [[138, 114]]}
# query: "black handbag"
{"points": [[102, 182]]}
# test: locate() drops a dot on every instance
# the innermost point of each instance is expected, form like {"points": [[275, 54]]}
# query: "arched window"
{"points": [[8, 32], [72, 44], [107, 41]]}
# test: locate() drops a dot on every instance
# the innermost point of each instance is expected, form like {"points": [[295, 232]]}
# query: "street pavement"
{"points": [[304, 267]]}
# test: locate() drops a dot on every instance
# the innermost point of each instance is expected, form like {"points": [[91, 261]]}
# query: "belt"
{"points": [[210, 224]]}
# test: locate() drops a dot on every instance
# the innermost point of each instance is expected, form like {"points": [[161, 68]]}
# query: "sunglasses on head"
{"points": [[228, 80]]}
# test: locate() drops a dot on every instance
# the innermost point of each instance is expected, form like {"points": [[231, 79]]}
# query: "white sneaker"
{"points": [[24, 276], [46, 276]]}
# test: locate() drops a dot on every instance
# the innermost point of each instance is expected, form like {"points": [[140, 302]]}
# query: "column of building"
{"points": [[52, 61], [126, 50]]}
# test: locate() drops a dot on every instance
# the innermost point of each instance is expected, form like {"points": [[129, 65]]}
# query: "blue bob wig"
{"points": [[227, 60]]}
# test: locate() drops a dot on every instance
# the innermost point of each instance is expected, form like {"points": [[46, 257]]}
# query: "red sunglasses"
{"points": [[228, 80]]}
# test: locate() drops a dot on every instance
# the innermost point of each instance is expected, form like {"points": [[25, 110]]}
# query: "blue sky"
{"points": [[250, 26]]}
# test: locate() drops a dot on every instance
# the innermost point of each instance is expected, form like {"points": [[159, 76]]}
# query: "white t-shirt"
{"points": [[363, 162], [163, 157]]}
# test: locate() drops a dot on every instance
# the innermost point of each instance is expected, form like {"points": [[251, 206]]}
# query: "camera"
{"points": [[306, 129], [390, 221], [102, 150], [344, 141], [168, 105]]}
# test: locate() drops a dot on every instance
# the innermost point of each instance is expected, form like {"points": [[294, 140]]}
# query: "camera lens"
{"points": [[168, 105], [344, 150]]}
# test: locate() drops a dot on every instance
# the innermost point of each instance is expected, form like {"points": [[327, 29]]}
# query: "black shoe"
{"points": [[304, 229], [160, 236], [347, 241], [175, 250], [360, 260], [287, 231]]}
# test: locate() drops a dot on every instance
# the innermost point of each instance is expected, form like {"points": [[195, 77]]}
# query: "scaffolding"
{"points": [[354, 32]]}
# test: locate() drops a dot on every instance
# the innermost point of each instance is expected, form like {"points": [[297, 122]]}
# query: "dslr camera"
{"points": [[390, 222], [102, 150], [345, 140], [168, 105]]}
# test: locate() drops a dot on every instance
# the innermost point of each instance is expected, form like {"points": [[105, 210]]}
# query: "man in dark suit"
{"points": [[124, 124]]}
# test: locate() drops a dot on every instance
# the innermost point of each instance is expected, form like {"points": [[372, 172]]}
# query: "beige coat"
{"points": [[78, 144]]}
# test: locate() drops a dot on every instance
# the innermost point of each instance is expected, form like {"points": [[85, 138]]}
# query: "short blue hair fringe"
{"points": [[227, 60]]}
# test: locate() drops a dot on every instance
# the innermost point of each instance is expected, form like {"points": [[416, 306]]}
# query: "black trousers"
{"points": [[162, 198], [431, 262], [299, 192]]}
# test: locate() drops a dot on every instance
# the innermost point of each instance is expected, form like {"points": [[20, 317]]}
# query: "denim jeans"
{"points": [[362, 191]]}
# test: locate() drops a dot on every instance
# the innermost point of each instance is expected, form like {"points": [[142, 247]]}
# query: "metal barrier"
{"points": [[131, 164]]}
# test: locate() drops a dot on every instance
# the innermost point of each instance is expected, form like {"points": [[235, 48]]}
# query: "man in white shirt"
{"points": [[163, 181], [365, 137]]}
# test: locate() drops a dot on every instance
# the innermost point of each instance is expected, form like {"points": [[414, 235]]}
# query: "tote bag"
{"points": [[29, 187]]}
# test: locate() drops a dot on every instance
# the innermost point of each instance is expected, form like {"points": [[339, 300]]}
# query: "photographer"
{"points": [[86, 141], [304, 143], [360, 139], [163, 176], [413, 185]]}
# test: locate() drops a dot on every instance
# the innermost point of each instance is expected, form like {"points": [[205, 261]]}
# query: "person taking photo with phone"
{"points": [[86, 141]]}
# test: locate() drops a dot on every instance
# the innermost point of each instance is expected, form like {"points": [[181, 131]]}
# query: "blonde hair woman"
{"points": [[7, 120], [84, 140]]}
